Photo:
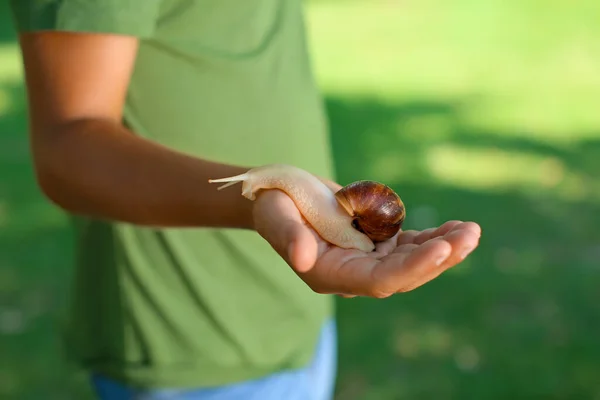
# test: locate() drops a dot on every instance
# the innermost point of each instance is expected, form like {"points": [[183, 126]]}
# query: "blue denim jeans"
{"points": [[314, 382]]}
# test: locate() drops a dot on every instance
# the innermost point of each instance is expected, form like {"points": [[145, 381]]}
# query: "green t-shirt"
{"points": [[225, 80]]}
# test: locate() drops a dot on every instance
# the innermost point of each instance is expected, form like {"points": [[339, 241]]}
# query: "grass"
{"points": [[482, 111]]}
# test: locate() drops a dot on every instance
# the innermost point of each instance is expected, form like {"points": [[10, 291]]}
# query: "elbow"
{"points": [[53, 179], [64, 185], [58, 162], [52, 186], [53, 171]]}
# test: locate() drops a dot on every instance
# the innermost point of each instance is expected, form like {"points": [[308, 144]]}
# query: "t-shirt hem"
{"points": [[187, 376]]}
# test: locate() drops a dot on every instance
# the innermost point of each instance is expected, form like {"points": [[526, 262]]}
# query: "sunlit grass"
{"points": [[10, 64], [10, 74], [496, 170], [435, 143], [521, 67]]}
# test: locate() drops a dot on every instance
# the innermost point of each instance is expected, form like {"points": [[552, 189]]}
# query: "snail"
{"points": [[355, 217]]}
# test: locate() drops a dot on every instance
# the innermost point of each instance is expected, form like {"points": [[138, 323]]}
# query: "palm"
{"points": [[404, 262]]}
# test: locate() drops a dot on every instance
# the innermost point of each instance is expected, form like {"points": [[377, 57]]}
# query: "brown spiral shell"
{"points": [[378, 211]]}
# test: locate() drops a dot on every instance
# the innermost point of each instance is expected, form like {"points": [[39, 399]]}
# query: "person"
{"points": [[180, 290]]}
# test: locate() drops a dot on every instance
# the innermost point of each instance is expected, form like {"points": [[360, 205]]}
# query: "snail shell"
{"points": [[377, 210]]}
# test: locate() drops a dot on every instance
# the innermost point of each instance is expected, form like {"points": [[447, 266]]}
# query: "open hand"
{"points": [[401, 264]]}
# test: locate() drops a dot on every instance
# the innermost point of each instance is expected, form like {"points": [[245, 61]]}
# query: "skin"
{"points": [[88, 163]]}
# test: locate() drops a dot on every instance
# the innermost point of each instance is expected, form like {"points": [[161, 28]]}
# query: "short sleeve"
{"points": [[126, 17]]}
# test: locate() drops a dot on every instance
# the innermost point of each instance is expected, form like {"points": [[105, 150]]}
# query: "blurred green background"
{"points": [[477, 110]]}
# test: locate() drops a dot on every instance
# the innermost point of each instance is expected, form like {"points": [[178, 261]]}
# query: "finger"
{"points": [[470, 226], [463, 242], [419, 237], [447, 227], [406, 237], [431, 233], [302, 246], [406, 248], [343, 272], [402, 269], [384, 248]]}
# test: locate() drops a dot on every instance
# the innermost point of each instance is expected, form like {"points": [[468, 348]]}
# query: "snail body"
{"points": [[355, 217]]}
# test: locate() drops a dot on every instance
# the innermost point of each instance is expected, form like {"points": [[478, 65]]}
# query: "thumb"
{"points": [[302, 246]]}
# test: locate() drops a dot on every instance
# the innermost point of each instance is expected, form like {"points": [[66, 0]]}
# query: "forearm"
{"points": [[98, 168]]}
